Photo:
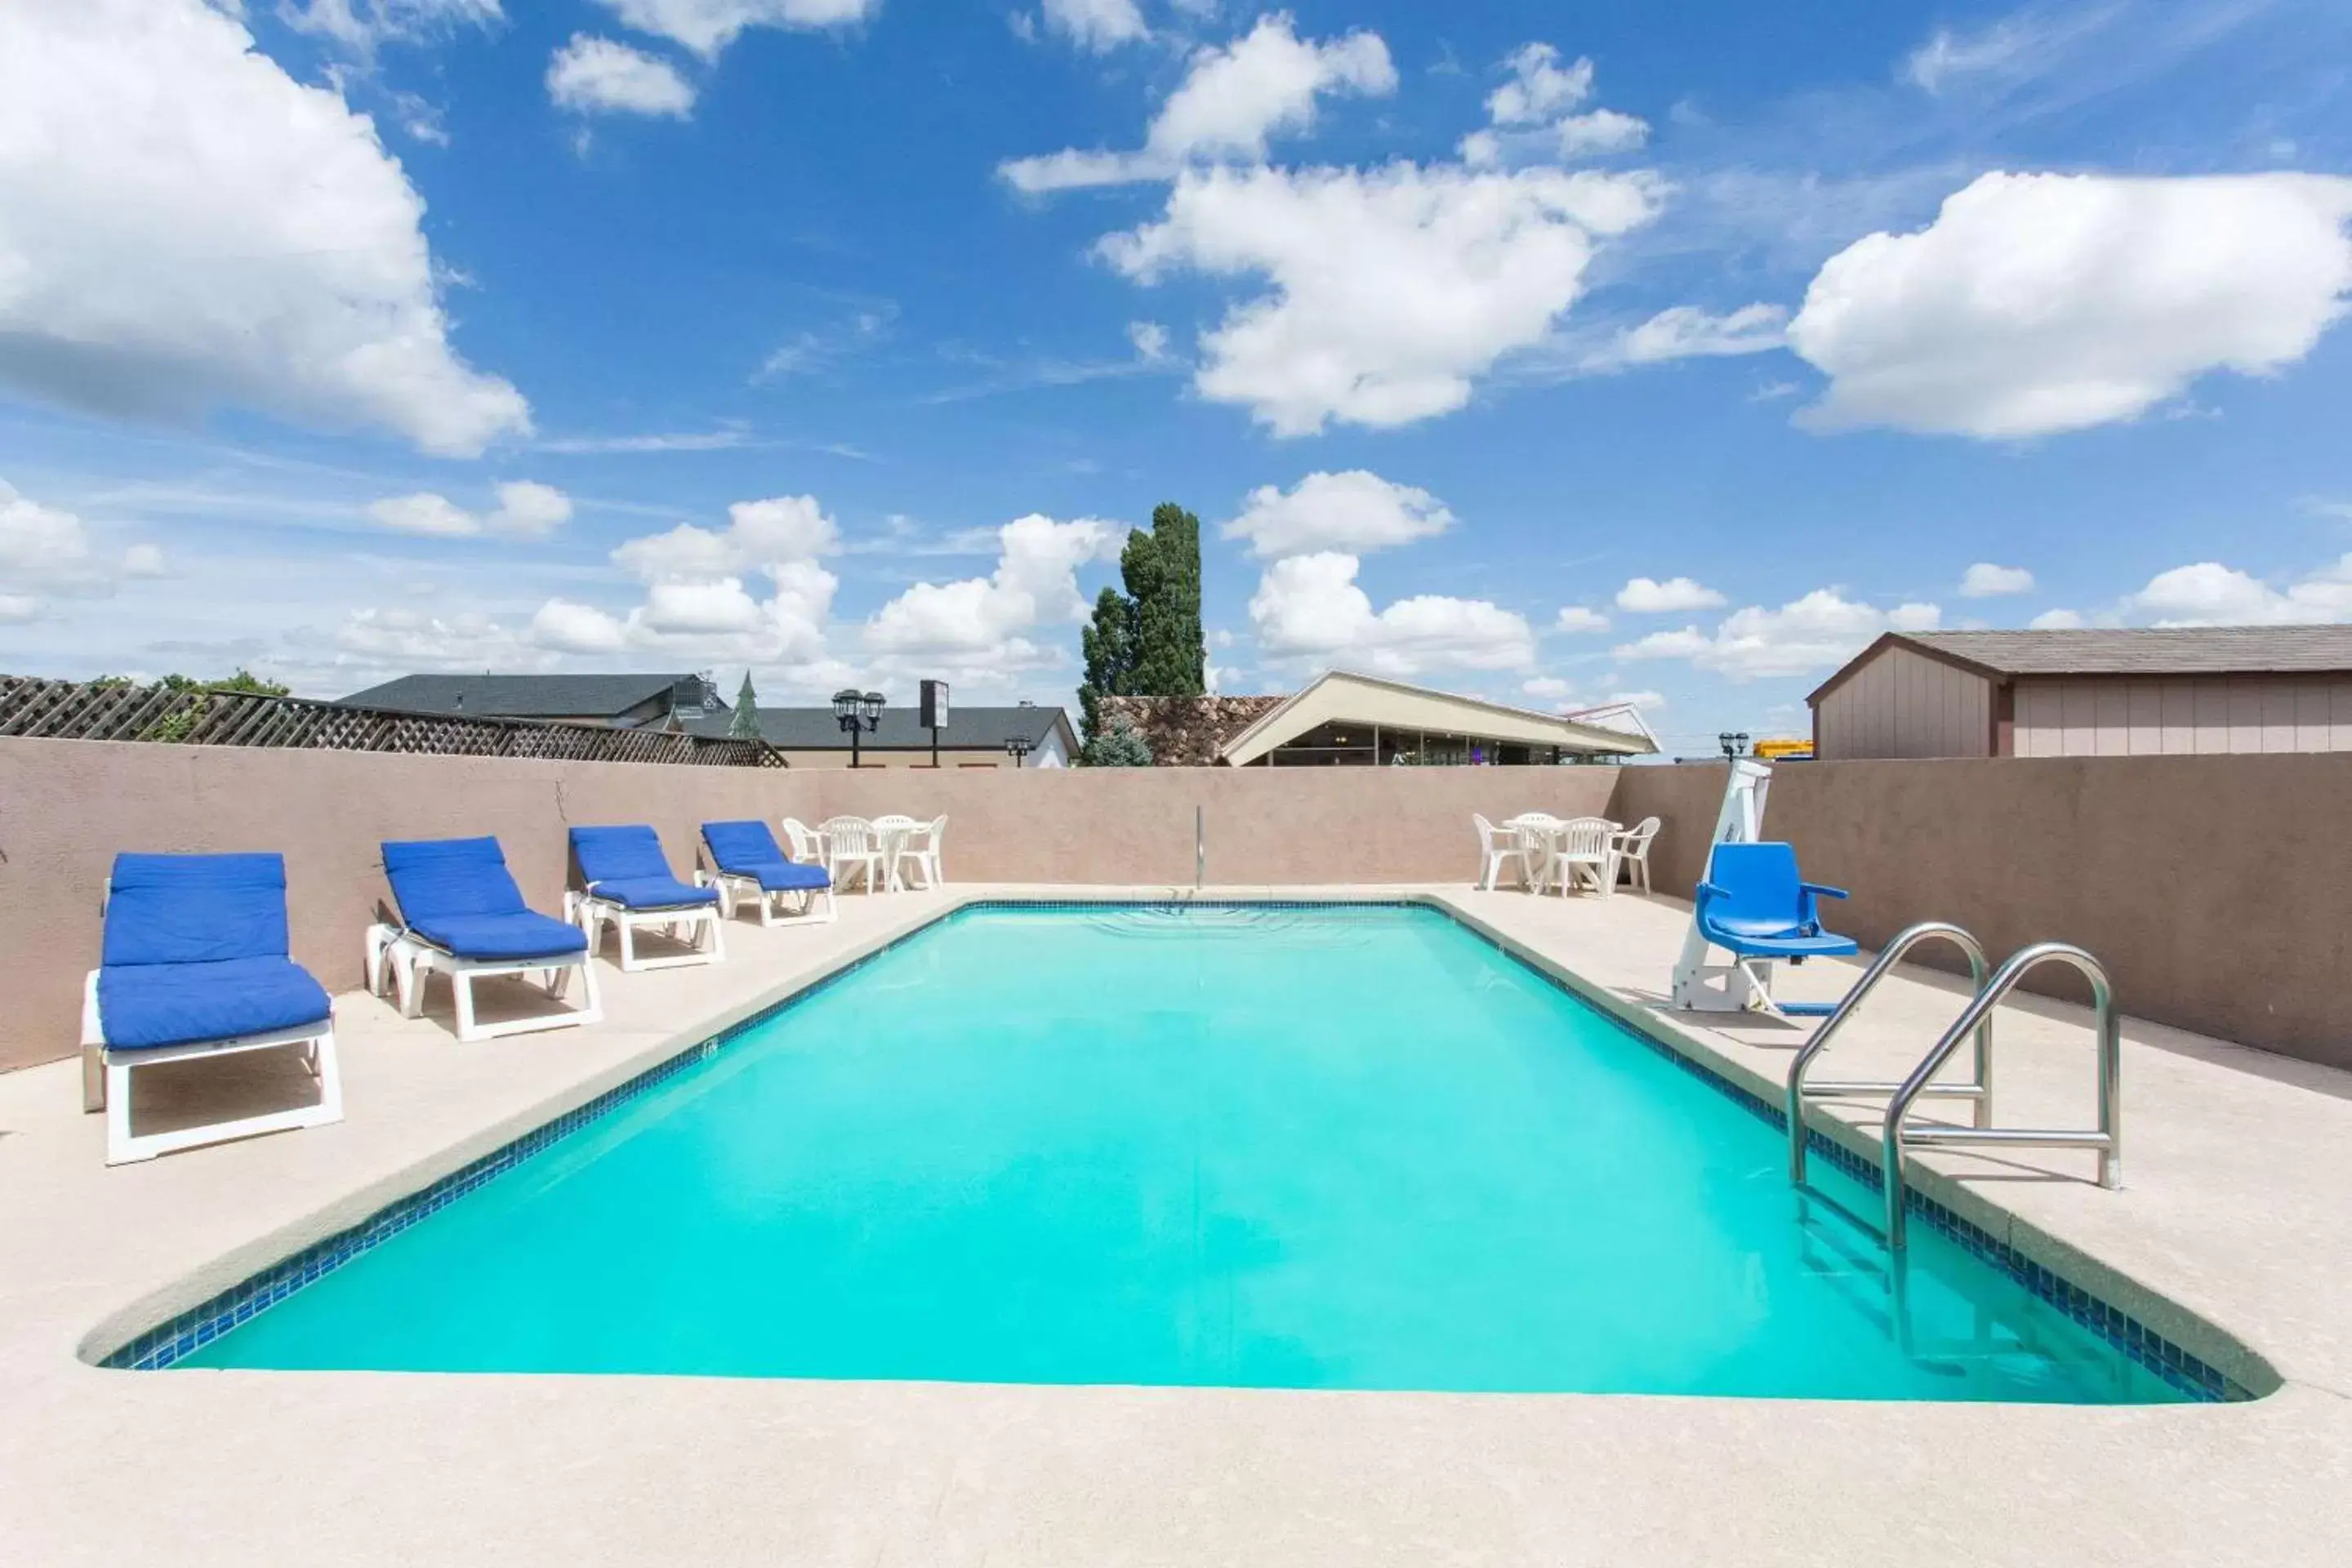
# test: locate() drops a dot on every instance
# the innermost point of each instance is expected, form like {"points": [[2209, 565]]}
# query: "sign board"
{"points": [[934, 705]]}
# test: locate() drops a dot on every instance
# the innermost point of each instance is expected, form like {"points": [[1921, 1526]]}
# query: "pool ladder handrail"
{"points": [[1979, 1090], [2106, 1138]]}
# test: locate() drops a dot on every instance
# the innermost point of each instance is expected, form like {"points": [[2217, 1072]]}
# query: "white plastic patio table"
{"points": [[1549, 830]]}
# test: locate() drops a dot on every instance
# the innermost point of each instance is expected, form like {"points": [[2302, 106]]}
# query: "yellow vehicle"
{"points": [[1783, 750]]}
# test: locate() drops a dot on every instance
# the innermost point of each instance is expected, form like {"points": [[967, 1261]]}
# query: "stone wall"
{"points": [[1187, 731]]}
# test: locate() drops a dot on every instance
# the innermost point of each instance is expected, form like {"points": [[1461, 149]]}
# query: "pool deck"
{"points": [[2233, 1234]]}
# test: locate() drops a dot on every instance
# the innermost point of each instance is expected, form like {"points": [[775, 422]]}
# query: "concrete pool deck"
{"points": [[2235, 1210]]}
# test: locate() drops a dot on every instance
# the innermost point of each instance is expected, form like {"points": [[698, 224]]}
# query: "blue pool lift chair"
{"points": [[627, 884], [461, 914], [743, 860], [1756, 905], [194, 963]]}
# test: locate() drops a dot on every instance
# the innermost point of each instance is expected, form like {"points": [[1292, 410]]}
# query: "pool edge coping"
{"points": [[402, 1197]]}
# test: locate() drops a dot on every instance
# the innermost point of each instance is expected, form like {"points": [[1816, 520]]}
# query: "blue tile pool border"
{"points": [[184, 1333]]}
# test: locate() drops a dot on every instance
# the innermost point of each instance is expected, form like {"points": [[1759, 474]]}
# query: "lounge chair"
{"points": [[628, 884], [193, 964], [461, 912], [1756, 907], [743, 857]]}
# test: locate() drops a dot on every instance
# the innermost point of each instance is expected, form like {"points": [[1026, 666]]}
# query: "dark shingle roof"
{"points": [[516, 696], [816, 730], [2160, 650]]}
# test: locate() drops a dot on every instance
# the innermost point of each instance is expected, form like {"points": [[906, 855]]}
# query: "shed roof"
{"points": [[2136, 650], [517, 696], [816, 728]]}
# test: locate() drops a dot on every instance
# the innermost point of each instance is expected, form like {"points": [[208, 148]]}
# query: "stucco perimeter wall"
{"points": [[66, 808], [2216, 889]]}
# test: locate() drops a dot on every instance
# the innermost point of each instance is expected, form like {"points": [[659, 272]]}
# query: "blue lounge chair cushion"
{"points": [[749, 849], [458, 894], [194, 908], [625, 866], [652, 893], [526, 933], [150, 1005], [1754, 903]]}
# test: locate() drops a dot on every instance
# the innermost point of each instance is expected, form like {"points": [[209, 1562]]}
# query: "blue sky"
{"points": [[1554, 353]]}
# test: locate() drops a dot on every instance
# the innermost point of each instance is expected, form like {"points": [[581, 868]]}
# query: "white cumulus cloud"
{"points": [[594, 76], [1540, 88], [2041, 303], [1389, 289], [707, 27], [1231, 101], [988, 619], [1576, 618], [526, 509], [1819, 631], [1602, 130], [1648, 596], [1356, 511], [1986, 581], [1099, 25], [46, 552], [185, 225], [1308, 610], [2208, 593]]}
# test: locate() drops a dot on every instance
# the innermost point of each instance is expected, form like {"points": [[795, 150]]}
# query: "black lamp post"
{"points": [[1017, 748], [857, 711], [1734, 744]]}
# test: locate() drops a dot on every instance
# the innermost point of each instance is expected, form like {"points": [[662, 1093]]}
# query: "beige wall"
{"points": [[2116, 716], [2217, 891], [67, 806], [1904, 704]]}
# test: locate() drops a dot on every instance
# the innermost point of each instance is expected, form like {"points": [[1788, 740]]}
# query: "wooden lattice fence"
{"points": [[196, 716]]}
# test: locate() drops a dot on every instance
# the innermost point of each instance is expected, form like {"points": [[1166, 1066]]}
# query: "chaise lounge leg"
{"points": [[119, 1149], [461, 989]]}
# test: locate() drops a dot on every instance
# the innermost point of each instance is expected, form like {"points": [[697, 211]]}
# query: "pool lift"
{"points": [[1745, 985]]}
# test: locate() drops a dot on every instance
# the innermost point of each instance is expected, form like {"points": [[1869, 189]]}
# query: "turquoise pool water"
{"points": [[1274, 1148]]}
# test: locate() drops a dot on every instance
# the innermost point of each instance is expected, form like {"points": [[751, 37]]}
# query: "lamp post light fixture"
{"points": [[1018, 747], [1734, 744], [857, 711]]}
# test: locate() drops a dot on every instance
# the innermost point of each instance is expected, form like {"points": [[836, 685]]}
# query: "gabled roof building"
{"points": [[2103, 692]]}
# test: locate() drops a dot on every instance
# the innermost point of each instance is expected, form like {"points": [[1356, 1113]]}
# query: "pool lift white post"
{"points": [[1745, 985]]}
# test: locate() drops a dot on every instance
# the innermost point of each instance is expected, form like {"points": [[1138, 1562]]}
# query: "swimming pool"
{"points": [[1329, 1147]]}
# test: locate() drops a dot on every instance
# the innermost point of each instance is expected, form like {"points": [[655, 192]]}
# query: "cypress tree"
{"points": [[1109, 647], [1171, 655], [1147, 641]]}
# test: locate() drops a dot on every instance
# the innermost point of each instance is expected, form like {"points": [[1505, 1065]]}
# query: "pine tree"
{"points": [[745, 724]]}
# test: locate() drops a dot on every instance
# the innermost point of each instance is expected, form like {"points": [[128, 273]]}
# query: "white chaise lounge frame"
{"points": [[734, 885], [410, 961], [106, 1083], [591, 914]]}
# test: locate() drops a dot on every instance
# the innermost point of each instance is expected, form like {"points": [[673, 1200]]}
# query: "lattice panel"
{"points": [[115, 711]]}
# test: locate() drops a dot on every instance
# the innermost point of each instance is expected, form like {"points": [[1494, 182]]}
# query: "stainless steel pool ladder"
{"points": [[1975, 1021], [2106, 1138], [1800, 1088]]}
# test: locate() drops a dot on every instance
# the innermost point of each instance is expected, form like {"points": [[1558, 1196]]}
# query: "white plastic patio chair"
{"points": [[1633, 847], [920, 847], [1497, 844], [1578, 850], [804, 843], [890, 836], [849, 841]]}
